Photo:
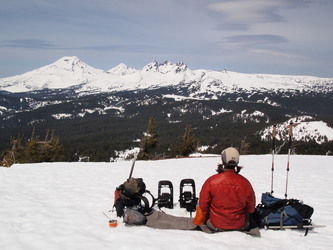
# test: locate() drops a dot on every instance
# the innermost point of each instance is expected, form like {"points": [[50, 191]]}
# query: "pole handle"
{"points": [[291, 129], [274, 131], [290, 126], [273, 136]]}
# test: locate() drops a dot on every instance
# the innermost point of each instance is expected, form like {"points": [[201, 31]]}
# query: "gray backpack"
{"points": [[130, 194]]}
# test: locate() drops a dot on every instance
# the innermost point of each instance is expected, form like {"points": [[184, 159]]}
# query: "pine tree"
{"points": [[13, 155], [149, 141], [190, 142], [244, 148], [34, 150]]}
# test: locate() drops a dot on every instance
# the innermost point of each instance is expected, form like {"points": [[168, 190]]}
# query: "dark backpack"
{"points": [[282, 212], [130, 194]]}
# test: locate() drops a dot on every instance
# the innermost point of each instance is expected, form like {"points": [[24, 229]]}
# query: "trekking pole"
{"points": [[132, 168], [273, 153], [291, 125]]}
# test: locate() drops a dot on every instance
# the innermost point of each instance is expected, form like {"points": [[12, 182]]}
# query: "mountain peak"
{"points": [[165, 67], [121, 69], [66, 72], [169, 66], [69, 59], [69, 63], [153, 66]]}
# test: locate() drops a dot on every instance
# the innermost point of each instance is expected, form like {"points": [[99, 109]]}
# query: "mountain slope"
{"points": [[64, 73]]}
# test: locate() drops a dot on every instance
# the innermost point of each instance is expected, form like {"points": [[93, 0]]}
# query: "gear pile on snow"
{"points": [[131, 202], [276, 213], [272, 213], [130, 194]]}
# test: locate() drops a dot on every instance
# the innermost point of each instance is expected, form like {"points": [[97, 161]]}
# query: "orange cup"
{"points": [[113, 223]]}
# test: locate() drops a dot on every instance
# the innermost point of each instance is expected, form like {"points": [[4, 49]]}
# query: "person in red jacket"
{"points": [[227, 199]]}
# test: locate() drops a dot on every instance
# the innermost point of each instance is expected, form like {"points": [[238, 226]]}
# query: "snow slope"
{"points": [[71, 71], [64, 73], [306, 129], [59, 205]]}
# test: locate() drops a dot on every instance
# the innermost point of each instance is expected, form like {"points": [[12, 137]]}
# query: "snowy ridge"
{"points": [[64, 73], [71, 71], [307, 129], [255, 116], [121, 69]]}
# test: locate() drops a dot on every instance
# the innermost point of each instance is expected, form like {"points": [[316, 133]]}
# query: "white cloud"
{"points": [[254, 11], [276, 53]]}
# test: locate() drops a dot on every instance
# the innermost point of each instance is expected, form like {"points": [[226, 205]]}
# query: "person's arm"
{"points": [[202, 211], [251, 201], [200, 216]]}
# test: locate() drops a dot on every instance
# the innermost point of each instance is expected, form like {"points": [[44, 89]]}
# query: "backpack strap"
{"points": [[119, 206], [282, 215], [146, 208]]}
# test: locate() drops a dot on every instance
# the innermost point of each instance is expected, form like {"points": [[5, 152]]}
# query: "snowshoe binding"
{"points": [[165, 194], [187, 197]]}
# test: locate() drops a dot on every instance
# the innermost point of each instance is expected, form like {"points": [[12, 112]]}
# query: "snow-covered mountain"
{"points": [[223, 107], [121, 69], [64, 73], [72, 72]]}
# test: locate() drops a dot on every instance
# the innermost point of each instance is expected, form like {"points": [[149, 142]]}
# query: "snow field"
{"points": [[61, 205]]}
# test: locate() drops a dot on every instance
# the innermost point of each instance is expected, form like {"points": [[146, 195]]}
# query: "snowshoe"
{"points": [[187, 197], [165, 194]]}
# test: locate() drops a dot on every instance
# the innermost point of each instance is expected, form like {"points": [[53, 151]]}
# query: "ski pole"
{"points": [[291, 125], [273, 153], [132, 168]]}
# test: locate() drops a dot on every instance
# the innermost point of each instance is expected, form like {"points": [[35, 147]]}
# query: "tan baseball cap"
{"points": [[230, 156]]}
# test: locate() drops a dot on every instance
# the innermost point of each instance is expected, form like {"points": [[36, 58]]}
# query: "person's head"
{"points": [[230, 159]]}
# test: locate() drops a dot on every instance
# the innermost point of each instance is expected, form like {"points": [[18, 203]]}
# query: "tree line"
{"points": [[149, 143], [152, 145], [33, 150], [51, 150]]}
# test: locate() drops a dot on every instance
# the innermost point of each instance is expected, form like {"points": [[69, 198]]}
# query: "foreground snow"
{"points": [[60, 205]]}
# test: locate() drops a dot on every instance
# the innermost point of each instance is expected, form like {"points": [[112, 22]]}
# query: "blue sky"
{"points": [[249, 36]]}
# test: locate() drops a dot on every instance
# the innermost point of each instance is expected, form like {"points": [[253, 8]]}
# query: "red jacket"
{"points": [[227, 198]]}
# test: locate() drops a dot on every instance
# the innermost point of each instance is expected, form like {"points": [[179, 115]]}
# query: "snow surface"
{"points": [[59, 205]]}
